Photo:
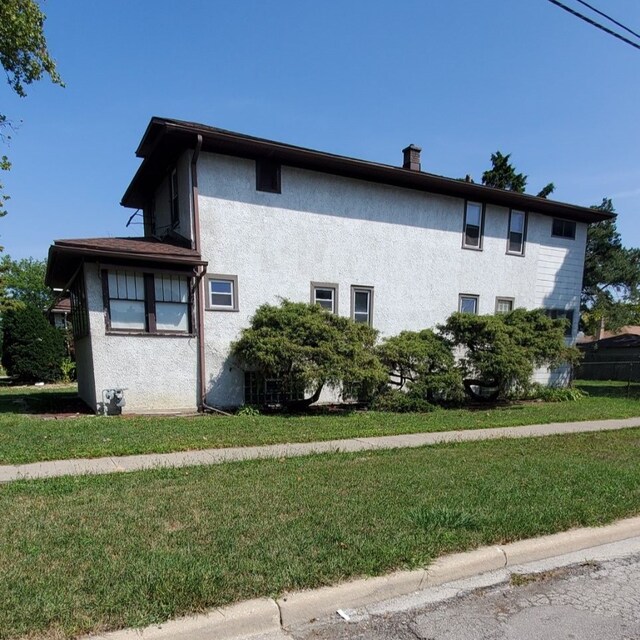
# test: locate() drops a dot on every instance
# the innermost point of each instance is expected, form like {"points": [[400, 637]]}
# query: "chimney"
{"points": [[411, 158]]}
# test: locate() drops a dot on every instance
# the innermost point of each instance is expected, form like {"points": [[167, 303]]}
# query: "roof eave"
{"points": [[169, 135]]}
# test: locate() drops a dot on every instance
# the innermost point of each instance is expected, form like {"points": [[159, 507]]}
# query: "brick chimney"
{"points": [[411, 158]]}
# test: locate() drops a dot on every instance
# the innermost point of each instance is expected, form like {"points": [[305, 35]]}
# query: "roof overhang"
{"points": [[66, 257], [165, 140]]}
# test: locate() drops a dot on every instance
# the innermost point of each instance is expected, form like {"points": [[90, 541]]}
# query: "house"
{"points": [[60, 312], [610, 355], [233, 221]]}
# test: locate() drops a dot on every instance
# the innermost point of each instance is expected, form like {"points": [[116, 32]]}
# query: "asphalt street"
{"points": [[593, 600]]}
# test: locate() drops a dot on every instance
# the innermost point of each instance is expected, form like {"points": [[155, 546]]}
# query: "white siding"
{"points": [[406, 244]]}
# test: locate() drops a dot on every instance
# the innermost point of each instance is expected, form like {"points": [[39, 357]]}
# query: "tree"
{"points": [[611, 277], [502, 174], [422, 364], [32, 350], [24, 56], [304, 347], [23, 282], [501, 352]]}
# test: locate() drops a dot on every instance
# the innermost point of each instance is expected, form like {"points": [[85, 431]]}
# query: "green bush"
{"points": [[555, 394], [422, 363], [33, 350], [396, 401], [502, 351], [305, 347]]}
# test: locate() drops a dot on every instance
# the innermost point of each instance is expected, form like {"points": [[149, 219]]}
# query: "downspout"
{"points": [[200, 278]]}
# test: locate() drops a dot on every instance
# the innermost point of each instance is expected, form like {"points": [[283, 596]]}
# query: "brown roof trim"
{"points": [[165, 139], [66, 255]]}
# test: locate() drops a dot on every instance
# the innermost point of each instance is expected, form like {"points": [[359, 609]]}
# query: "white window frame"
{"points": [[325, 286], [465, 244], [524, 232], [472, 296], [362, 289], [500, 299], [218, 277]]}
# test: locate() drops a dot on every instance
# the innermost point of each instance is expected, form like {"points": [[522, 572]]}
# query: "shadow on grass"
{"points": [[609, 388], [25, 400]]}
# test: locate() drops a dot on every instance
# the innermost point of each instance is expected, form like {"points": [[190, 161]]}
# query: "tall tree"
{"points": [[25, 58], [503, 175], [610, 287], [23, 282]]}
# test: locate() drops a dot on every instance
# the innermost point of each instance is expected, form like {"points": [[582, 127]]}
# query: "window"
{"points": [[517, 231], [175, 210], [326, 295], [172, 303], [79, 309], [362, 304], [146, 302], [563, 314], [473, 223], [468, 303], [504, 305], [563, 228], [268, 176], [127, 309], [222, 293]]}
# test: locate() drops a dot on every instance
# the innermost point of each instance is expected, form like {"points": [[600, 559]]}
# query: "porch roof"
{"points": [[65, 256]]}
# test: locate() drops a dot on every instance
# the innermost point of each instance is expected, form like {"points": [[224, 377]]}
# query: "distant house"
{"points": [[613, 355], [60, 313], [232, 222]]}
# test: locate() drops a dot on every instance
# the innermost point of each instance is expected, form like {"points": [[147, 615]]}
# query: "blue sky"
{"points": [[362, 78]]}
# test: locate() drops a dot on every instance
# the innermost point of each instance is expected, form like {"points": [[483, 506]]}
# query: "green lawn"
{"points": [[26, 437], [85, 554]]}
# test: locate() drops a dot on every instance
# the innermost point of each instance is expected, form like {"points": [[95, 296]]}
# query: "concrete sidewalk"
{"points": [[100, 466]]}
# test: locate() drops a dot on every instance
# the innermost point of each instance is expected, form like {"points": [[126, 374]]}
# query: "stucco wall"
{"points": [[162, 199], [405, 244], [159, 372]]}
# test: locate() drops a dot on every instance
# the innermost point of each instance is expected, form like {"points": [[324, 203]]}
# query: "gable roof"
{"points": [[165, 139], [66, 255]]}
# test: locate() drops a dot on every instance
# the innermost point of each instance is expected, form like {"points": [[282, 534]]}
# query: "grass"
{"points": [[29, 438], [88, 554]]}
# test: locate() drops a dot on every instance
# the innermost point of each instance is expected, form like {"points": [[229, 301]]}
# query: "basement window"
{"points": [[268, 176]]}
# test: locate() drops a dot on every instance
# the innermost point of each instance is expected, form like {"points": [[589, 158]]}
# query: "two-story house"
{"points": [[232, 221]]}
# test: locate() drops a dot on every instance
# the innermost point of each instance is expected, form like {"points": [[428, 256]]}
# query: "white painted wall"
{"points": [[159, 372], [404, 243]]}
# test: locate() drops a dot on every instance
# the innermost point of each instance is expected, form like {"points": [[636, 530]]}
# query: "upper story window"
{"points": [[174, 203], [362, 304], [326, 295], [563, 228], [504, 305], [468, 303], [146, 302], [517, 231], [563, 314], [473, 224], [267, 176], [222, 293]]}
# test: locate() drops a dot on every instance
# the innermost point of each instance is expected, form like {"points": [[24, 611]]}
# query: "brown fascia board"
{"points": [[165, 139]]}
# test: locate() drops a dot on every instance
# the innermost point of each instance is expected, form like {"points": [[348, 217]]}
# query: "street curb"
{"points": [[242, 620], [301, 607], [267, 616]]}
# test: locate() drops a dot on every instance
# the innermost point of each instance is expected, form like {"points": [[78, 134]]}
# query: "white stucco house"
{"points": [[232, 221]]}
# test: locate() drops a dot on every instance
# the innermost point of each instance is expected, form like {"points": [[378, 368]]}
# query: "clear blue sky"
{"points": [[362, 78]]}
